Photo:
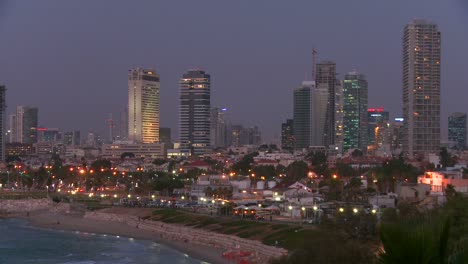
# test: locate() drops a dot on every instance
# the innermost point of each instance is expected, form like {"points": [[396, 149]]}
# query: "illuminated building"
{"points": [[148, 150], [194, 112], [143, 106], [421, 88], [48, 134], [457, 130], [378, 119], [355, 112]]}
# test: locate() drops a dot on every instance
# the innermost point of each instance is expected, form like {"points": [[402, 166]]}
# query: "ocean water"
{"points": [[21, 243]]}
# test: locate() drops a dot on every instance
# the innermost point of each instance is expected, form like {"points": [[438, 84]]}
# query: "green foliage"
{"points": [[296, 171], [419, 241], [243, 166], [267, 171], [446, 159], [159, 162]]}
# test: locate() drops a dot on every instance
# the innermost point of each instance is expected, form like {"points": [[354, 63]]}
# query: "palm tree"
{"points": [[423, 241]]}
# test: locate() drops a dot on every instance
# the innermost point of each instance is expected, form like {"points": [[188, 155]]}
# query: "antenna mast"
{"points": [[314, 64]]}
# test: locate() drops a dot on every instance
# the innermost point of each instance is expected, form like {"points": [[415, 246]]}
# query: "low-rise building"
{"points": [[151, 151]]}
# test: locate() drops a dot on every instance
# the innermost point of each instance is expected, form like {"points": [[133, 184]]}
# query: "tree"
{"points": [[127, 155], [446, 159], [159, 162], [357, 153], [317, 158], [245, 164], [296, 171], [419, 241]]}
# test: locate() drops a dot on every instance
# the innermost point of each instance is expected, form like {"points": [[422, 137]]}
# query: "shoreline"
{"points": [[74, 222]]}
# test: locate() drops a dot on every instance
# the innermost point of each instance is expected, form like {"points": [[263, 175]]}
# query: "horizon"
{"points": [[256, 55]]}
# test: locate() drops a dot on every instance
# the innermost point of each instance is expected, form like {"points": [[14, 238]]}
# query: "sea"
{"points": [[21, 243]]}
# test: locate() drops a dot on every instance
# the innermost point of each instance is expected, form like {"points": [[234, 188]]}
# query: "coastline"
{"points": [[76, 222]]}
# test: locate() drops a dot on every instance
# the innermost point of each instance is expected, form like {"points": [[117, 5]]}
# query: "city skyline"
{"points": [[49, 65]]}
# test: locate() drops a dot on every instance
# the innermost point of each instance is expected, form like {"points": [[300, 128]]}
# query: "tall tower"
{"points": [[2, 121], [301, 115], [355, 112], [421, 88], [143, 106], [457, 130], [326, 79], [194, 112], [218, 127], [287, 135], [26, 124]]}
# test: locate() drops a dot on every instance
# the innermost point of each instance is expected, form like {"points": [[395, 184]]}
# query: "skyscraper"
{"points": [[72, 138], [326, 79], [2, 121], [123, 126], [218, 127], [421, 88], [143, 106], [355, 112], [194, 112], [339, 102], [377, 118], [287, 135], [310, 110], [301, 115], [26, 124], [457, 129]]}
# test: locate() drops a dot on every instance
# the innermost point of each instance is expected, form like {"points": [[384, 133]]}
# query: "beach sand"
{"points": [[76, 222]]}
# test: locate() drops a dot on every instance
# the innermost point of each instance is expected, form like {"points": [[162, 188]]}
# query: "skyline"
{"points": [[255, 50]]}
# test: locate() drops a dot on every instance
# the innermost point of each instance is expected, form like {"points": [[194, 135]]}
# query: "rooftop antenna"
{"points": [[314, 64]]}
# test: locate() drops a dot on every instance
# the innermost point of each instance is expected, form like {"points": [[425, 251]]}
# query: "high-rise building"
{"points": [[2, 121], [377, 119], [48, 134], [165, 136], [194, 112], [123, 126], [218, 127], [143, 106], [301, 115], [13, 134], [318, 113], [339, 102], [457, 130], [26, 124], [72, 138], [355, 112], [326, 78], [255, 136], [421, 88], [310, 111], [287, 135]]}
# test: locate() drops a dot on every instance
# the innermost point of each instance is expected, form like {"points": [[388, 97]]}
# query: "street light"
{"points": [[341, 209], [355, 210], [374, 211]]}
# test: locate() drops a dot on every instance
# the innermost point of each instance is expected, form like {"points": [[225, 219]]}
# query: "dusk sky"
{"points": [[71, 58]]}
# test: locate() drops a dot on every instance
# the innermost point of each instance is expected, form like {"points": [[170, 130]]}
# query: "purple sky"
{"points": [[70, 58]]}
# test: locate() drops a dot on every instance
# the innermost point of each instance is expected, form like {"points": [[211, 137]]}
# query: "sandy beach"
{"points": [[76, 222]]}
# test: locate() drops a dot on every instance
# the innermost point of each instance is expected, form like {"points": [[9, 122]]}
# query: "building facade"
{"points": [[194, 112], [218, 128], [421, 88], [143, 106], [378, 118], [287, 135], [355, 112], [326, 78], [301, 115], [457, 130], [72, 138], [25, 123]]}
